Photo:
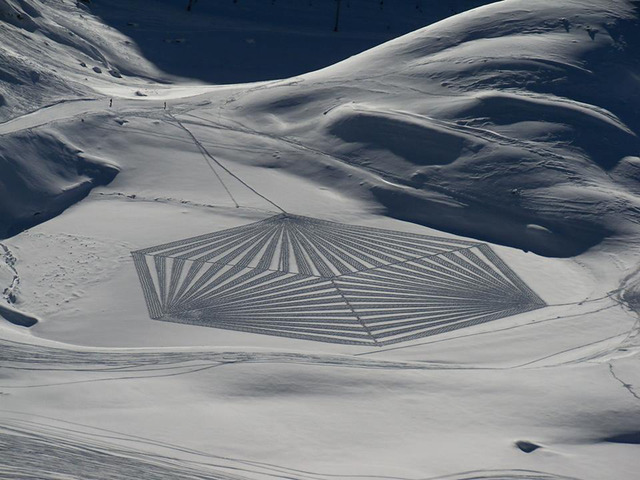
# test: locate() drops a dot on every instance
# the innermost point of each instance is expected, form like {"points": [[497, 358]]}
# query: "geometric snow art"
{"points": [[312, 279]]}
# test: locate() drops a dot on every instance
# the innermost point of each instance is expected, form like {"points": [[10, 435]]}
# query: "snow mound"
{"points": [[43, 175]]}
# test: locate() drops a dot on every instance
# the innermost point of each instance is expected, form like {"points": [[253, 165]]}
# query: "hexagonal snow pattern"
{"points": [[312, 279]]}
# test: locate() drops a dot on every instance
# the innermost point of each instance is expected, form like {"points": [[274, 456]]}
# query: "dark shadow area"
{"points": [[609, 78], [414, 142], [16, 317], [563, 237], [42, 177], [235, 41], [632, 438], [595, 134], [527, 447]]}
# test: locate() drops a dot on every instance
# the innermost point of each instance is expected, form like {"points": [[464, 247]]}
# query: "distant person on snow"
{"points": [[110, 102], [165, 105]]}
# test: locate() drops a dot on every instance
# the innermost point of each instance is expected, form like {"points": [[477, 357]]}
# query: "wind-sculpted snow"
{"points": [[53, 51], [43, 175], [311, 279], [500, 124]]}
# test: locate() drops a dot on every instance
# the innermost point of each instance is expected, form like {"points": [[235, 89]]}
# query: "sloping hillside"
{"points": [[59, 50], [517, 122], [67, 53], [245, 299]]}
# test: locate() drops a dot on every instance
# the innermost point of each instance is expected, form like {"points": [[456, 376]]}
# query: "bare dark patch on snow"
{"points": [[17, 317], [526, 446], [630, 438]]}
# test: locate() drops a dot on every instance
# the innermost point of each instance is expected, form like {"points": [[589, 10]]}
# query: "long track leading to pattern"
{"points": [[300, 277]]}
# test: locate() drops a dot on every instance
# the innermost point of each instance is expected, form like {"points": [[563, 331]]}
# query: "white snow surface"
{"points": [[514, 123]]}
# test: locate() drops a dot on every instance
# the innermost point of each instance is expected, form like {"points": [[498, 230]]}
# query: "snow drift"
{"points": [[42, 175]]}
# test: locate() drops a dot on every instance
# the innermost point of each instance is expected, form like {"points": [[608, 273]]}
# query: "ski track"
{"points": [[113, 364], [62, 110], [26, 356], [92, 453], [78, 451]]}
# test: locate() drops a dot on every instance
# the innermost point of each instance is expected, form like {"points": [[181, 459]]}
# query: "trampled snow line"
{"points": [[49, 113], [217, 162], [207, 156], [627, 386], [311, 279], [176, 201], [27, 356]]}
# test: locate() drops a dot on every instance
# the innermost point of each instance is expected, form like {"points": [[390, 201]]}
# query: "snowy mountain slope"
{"points": [[43, 174], [56, 51], [61, 49], [252, 40], [482, 124], [472, 136]]}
